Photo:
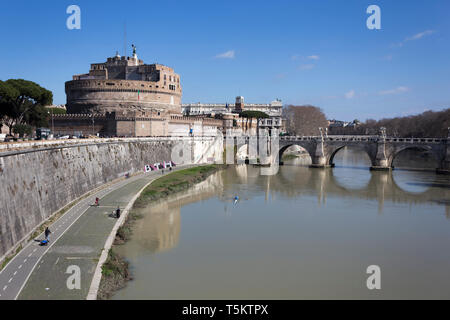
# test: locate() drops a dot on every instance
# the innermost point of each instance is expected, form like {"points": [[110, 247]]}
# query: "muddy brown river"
{"points": [[300, 234]]}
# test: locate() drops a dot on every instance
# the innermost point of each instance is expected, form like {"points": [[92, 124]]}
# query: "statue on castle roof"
{"points": [[134, 49]]}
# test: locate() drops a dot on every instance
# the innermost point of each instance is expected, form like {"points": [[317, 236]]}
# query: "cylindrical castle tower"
{"points": [[124, 84]]}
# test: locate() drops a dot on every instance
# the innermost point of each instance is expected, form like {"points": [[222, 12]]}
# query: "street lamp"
{"points": [[53, 126]]}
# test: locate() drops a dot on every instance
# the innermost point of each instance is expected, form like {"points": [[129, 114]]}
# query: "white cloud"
{"points": [[397, 90], [350, 94], [417, 36], [420, 35], [311, 57], [306, 67], [226, 55]]}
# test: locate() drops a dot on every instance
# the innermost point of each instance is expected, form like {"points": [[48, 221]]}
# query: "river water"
{"points": [[300, 234]]}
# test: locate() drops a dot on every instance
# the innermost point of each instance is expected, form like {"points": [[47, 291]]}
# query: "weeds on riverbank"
{"points": [[114, 275]]}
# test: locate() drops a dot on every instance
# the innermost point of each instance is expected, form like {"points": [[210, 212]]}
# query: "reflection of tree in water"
{"points": [[415, 158]]}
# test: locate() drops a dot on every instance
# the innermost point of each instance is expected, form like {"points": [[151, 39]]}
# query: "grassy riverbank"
{"points": [[115, 272], [174, 182]]}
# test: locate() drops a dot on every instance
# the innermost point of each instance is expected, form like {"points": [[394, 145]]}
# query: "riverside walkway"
{"points": [[77, 239]]}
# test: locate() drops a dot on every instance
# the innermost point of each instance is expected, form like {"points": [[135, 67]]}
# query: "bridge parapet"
{"points": [[363, 138]]}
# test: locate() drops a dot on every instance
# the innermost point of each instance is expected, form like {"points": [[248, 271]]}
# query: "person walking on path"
{"points": [[96, 201], [47, 233], [118, 213]]}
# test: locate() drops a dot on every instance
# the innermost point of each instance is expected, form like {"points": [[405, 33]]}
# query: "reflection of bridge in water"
{"points": [[159, 229], [381, 186]]}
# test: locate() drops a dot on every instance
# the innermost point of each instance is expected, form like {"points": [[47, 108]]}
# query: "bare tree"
{"points": [[304, 120]]}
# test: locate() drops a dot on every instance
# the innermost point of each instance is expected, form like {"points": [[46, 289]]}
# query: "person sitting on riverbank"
{"points": [[118, 213]]}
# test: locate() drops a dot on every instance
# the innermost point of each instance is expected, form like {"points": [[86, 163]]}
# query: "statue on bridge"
{"points": [[383, 132]]}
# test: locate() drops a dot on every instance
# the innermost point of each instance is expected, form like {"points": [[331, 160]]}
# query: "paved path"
{"points": [[77, 239]]}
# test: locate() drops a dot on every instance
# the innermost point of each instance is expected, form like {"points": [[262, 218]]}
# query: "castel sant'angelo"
{"points": [[125, 97], [125, 83]]}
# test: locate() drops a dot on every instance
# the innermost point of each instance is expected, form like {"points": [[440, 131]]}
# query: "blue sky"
{"points": [[301, 51]]}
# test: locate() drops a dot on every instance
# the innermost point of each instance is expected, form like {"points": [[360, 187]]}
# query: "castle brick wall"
{"points": [[93, 95]]}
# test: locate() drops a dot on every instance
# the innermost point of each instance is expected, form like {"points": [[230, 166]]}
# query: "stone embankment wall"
{"points": [[35, 183]]}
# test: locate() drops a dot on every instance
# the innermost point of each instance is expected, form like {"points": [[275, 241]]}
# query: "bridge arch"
{"points": [[285, 147], [334, 151], [415, 147]]}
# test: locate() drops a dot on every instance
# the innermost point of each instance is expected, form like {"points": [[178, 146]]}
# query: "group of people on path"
{"points": [[97, 203], [117, 211], [162, 171]]}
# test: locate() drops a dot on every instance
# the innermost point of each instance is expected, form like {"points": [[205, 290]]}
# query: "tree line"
{"points": [[427, 124], [306, 120]]}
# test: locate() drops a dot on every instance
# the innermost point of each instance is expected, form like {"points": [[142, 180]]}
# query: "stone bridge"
{"points": [[381, 150]]}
